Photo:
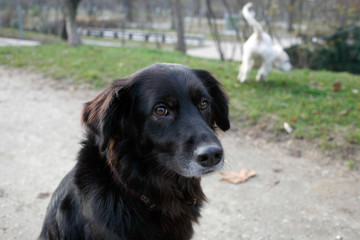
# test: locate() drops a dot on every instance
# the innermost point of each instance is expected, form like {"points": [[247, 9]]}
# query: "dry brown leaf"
{"points": [[43, 195], [293, 119], [345, 112], [236, 178], [315, 112], [337, 84]]}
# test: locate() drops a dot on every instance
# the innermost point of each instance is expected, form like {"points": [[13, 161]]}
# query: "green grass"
{"points": [[351, 165], [133, 43], [43, 38], [305, 99]]}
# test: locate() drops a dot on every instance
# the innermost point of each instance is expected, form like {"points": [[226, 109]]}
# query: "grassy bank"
{"points": [[43, 38], [321, 106]]}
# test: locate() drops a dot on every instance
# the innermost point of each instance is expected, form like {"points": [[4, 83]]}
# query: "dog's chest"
{"points": [[160, 226]]}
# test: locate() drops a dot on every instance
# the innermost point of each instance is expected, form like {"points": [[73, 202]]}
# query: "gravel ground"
{"points": [[291, 197]]}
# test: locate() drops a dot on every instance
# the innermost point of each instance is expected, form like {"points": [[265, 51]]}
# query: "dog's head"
{"points": [[165, 116], [282, 60]]}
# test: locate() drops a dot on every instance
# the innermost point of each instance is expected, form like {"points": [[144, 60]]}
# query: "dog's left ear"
{"points": [[220, 99]]}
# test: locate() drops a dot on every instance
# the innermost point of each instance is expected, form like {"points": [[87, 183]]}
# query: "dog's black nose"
{"points": [[208, 156]]}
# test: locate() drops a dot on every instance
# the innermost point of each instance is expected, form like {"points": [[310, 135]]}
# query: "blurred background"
{"points": [[299, 131], [317, 34]]}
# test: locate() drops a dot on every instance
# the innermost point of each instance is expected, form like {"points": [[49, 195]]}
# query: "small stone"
{"points": [[2, 193], [287, 127], [295, 153]]}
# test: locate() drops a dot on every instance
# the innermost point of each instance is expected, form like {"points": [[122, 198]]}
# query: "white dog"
{"points": [[259, 50]]}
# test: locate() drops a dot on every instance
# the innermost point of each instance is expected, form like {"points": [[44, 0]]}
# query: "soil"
{"points": [[296, 193]]}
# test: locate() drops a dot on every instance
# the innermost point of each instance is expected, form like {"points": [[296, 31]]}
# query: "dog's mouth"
{"points": [[209, 171], [194, 169], [203, 160]]}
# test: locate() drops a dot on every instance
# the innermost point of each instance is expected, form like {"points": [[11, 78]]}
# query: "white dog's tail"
{"points": [[250, 18]]}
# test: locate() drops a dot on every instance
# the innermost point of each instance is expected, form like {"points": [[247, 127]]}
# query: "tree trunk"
{"points": [[301, 15], [129, 10], [213, 28], [148, 11], [70, 7], [63, 33], [290, 27], [344, 16], [172, 15], [180, 45], [268, 16], [197, 12], [19, 11]]}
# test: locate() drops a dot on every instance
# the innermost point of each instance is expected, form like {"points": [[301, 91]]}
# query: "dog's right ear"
{"points": [[107, 113], [221, 101]]}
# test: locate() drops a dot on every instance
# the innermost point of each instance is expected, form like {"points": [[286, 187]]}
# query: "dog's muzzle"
{"points": [[208, 156]]}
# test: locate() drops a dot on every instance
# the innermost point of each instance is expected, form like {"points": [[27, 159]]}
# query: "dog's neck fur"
{"points": [[173, 194], [163, 190], [174, 198]]}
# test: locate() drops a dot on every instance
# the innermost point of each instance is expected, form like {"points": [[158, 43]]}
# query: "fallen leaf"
{"points": [[337, 84], [315, 112], [2, 193], [320, 84], [345, 112], [293, 119], [336, 89], [235, 177], [43, 195], [295, 153]]}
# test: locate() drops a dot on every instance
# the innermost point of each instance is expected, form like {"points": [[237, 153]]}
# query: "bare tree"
{"points": [[344, 16], [70, 9], [301, 15], [129, 10], [214, 31], [180, 44], [148, 5], [19, 11], [290, 27]]}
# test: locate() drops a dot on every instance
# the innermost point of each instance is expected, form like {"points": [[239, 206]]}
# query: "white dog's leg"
{"points": [[245, 68], [264, 71]]}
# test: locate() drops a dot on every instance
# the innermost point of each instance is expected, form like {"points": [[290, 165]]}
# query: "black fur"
{"points": [[130, 150]]}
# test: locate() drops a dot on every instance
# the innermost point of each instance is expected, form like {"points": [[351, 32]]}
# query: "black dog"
{"points": [[149, 139]]}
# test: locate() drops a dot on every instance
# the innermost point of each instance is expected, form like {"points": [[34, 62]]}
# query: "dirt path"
{"points": [[290, 198]]}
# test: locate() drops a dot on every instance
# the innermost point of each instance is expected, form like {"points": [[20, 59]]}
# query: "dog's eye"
{"points": [[161, 111], [204, 105]]}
